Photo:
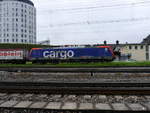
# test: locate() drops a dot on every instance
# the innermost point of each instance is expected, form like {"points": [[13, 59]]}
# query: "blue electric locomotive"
{"points": [[55, 55]]}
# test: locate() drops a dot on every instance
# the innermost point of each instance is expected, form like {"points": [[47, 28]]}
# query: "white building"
{"points": [[17, 21]]}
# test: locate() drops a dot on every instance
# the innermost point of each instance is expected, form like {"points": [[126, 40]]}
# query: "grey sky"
{"points": [[92, 21]]}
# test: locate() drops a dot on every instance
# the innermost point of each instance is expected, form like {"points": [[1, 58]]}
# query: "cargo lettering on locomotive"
{"points": [[58, 54]]}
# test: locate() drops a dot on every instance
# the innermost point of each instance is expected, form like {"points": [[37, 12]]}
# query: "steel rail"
{"points": [[40, 110], [75, 88], [79, 70]]}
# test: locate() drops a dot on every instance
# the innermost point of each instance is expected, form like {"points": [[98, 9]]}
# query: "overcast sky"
{"points": [[92, 21]]}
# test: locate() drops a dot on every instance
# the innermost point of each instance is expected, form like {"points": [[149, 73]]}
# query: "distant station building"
{"points": [[17, 21], [133, 51], [138, 52]]}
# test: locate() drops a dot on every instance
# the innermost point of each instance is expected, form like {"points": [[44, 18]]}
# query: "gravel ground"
{"points": [[97, 77], [76, 98]]}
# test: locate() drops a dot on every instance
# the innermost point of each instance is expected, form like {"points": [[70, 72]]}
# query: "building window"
{"points": [[147, 56], [136, 47], [147, 48], [130, 47], [142, 47]]}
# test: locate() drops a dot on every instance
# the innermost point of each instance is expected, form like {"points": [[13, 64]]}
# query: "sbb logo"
{"points": [[58, 54]]}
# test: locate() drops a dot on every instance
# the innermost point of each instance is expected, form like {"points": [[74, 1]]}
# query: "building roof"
{"points": [[146, 40], [25, 1]]}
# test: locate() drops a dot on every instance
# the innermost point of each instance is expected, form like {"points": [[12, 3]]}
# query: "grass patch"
{"points": [[103, 64]]}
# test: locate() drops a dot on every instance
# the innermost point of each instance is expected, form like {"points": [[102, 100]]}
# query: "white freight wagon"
{"points": [[12, 56]]}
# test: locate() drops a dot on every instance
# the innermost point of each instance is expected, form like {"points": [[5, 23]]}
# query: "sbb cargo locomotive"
{"points": [[56, 55], [103, 53]]}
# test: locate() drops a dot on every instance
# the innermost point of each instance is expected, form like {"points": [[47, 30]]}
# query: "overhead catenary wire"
{"points": [[94, 22], [95, 8], [101, 6], [101, 22]]}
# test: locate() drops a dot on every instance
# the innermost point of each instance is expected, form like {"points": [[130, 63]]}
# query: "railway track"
{"points": [[59, 97], [79, 70], [38, 103], [75, 97], [75, 88]]}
